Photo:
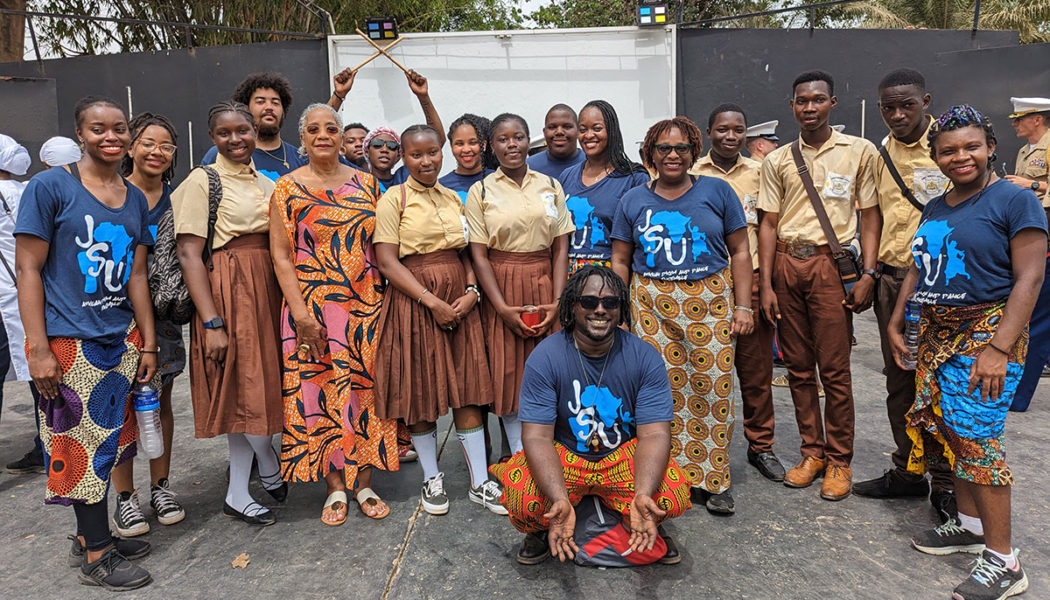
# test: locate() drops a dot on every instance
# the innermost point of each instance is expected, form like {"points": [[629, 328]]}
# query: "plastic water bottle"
{"points": [[911, 334], [147, 415]]}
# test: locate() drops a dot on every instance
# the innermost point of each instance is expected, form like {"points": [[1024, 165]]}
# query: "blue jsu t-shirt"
{"points": [[593, 208], [963, 252], [461, 183], [92, 247], [398, 177], [633, 391], [265, 161], [553, 167], [682, 239]]}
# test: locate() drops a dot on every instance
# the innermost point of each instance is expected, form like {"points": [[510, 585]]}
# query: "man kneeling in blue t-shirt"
{"points": [[596, 414]]}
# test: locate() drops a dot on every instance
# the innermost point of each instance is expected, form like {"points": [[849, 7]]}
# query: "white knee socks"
{"points": [[513, 427], [473, 442], [237, 495], [426, 446], [269, 469]]}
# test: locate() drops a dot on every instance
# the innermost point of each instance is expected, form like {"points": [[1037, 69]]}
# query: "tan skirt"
{"points": [[243, 393], [422, 370], [524, 278]]}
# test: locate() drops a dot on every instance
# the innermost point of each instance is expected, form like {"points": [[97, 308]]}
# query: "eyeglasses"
{"points": [[607, 302], [681, 149], [390, 144], [149, 146]]}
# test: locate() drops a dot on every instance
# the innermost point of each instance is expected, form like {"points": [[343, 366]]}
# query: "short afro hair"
{"points": [[273, 81], [724, 108], [809, 76], [903, 77]]}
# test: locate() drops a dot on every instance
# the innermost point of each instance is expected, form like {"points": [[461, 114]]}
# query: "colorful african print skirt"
{"points": [[89, 428], [611, 479], [688, 323], [970, 429], [575, 264]]}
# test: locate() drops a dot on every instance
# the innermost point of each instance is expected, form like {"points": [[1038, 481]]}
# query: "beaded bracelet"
{"points": [[747, 308], [474, 288]]}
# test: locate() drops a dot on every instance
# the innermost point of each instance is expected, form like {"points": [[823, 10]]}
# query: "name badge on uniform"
{"points": [[837, 186], [750, 209], [466, 230], [928, 183], [549, 205]]}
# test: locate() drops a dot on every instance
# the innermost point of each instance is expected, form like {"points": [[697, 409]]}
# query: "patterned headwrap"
{"points": [[14, 158], [380, 131], [958, 117], [59, 151]]}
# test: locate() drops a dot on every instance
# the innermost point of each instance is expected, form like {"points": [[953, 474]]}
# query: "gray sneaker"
{"points": [[948, 538], [113, 572], [488, 495], [990, 579], [128, 517], [435, 501]]}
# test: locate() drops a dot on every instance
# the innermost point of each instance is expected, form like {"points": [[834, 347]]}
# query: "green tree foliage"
{"points": [[73, 37], [607, 13], [1030, 17]]}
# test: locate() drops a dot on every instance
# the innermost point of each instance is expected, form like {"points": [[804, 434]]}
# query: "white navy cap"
{"points": [[838, 128], [1027, 106], [766, 130]]}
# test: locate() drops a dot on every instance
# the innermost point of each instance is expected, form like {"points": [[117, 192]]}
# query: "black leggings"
{"points": [[93, 524]]}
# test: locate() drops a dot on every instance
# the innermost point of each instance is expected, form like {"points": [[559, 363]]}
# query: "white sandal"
{"points": [[333, 498], [368, 499]]}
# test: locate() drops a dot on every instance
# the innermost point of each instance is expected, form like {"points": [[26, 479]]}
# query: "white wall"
{"points": [[523, 72]]}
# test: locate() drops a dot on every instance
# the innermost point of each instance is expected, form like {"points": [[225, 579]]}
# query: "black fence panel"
{"points": [[755, 68], [181, 84], [28, 109]]}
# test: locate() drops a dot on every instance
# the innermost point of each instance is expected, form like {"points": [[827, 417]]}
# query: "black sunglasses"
{"points": [[391, 144], [607, 302]]}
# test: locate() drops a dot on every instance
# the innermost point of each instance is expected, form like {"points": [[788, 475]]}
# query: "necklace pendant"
{"points": [[594, 442], [285, 164]]}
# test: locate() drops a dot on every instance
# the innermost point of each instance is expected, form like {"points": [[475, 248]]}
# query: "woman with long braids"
{"points": [[81, 243], [684, 240], [594, 187], [149, 166], [235, 369], [979, 255], [519, 241], [468, 137]]}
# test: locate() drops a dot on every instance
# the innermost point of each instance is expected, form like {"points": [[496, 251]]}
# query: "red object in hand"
{"points": [[531, 316]]}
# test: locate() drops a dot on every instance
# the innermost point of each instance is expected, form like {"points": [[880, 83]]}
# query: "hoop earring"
{"points": [[302, 151]]}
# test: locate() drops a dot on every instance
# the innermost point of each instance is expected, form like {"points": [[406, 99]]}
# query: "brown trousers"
{"points": [[754, 367], [814, 331], [900, 395]]}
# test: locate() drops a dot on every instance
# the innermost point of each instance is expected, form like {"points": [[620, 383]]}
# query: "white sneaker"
{"points": [[435, 501], [488, 495]]}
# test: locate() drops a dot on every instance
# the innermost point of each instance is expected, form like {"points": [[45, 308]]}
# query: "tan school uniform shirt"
{"points": [[245, 206], [843, 174], [1032, 163], [744, 178], [517, 219], [433, 219], [900, 218]]}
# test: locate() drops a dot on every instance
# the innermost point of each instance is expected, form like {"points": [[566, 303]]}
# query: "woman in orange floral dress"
{"points": [[321, 225]]}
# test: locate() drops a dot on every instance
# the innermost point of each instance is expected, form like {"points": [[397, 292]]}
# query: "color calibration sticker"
{"points": [[382, 28], [652, 15]]}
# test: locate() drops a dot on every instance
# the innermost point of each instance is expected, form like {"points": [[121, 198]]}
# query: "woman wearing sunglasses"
{"points": [[149, 166], [684, 238]]}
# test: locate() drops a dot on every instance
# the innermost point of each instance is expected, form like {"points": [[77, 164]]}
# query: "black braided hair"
{"points": [[622, 166], [228, 106], [574, 289], [483, 130], [503, 118], [958, 117], [138, 126]]}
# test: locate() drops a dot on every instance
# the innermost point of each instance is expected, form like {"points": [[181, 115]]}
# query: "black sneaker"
{"points": [[892, 485], [767, 464], [32, 462], [162, 501], [113, 572], [129, 549], [128, 517], [948, 538], [990, 579], [534, 548], [672, 556], [945, 506]]}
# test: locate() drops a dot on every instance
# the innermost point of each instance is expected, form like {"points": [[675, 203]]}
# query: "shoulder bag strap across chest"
{"points": [[814, 199]]}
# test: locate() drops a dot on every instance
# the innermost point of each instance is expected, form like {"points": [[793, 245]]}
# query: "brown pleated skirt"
{"points": [[524, 278], [422, 370], [242, 394]]}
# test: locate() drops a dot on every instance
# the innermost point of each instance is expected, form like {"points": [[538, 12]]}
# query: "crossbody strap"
{"points": [[814, 198], [898, 179], [3, 258], [214, 199]]}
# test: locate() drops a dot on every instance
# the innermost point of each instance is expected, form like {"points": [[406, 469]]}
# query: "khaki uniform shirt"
{"points": [[744, 178], [245, 206], [843, 174], [900, 218], [1032, 163], [432, 220], [517, 219]]}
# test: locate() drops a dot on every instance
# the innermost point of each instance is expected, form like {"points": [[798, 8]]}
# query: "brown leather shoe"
{"points": [[803, 474], [837, 482]]}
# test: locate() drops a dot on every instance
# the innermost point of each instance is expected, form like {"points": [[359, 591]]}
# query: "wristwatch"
{"points": [[1035, 186], [216, 323], [874, 273]]}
